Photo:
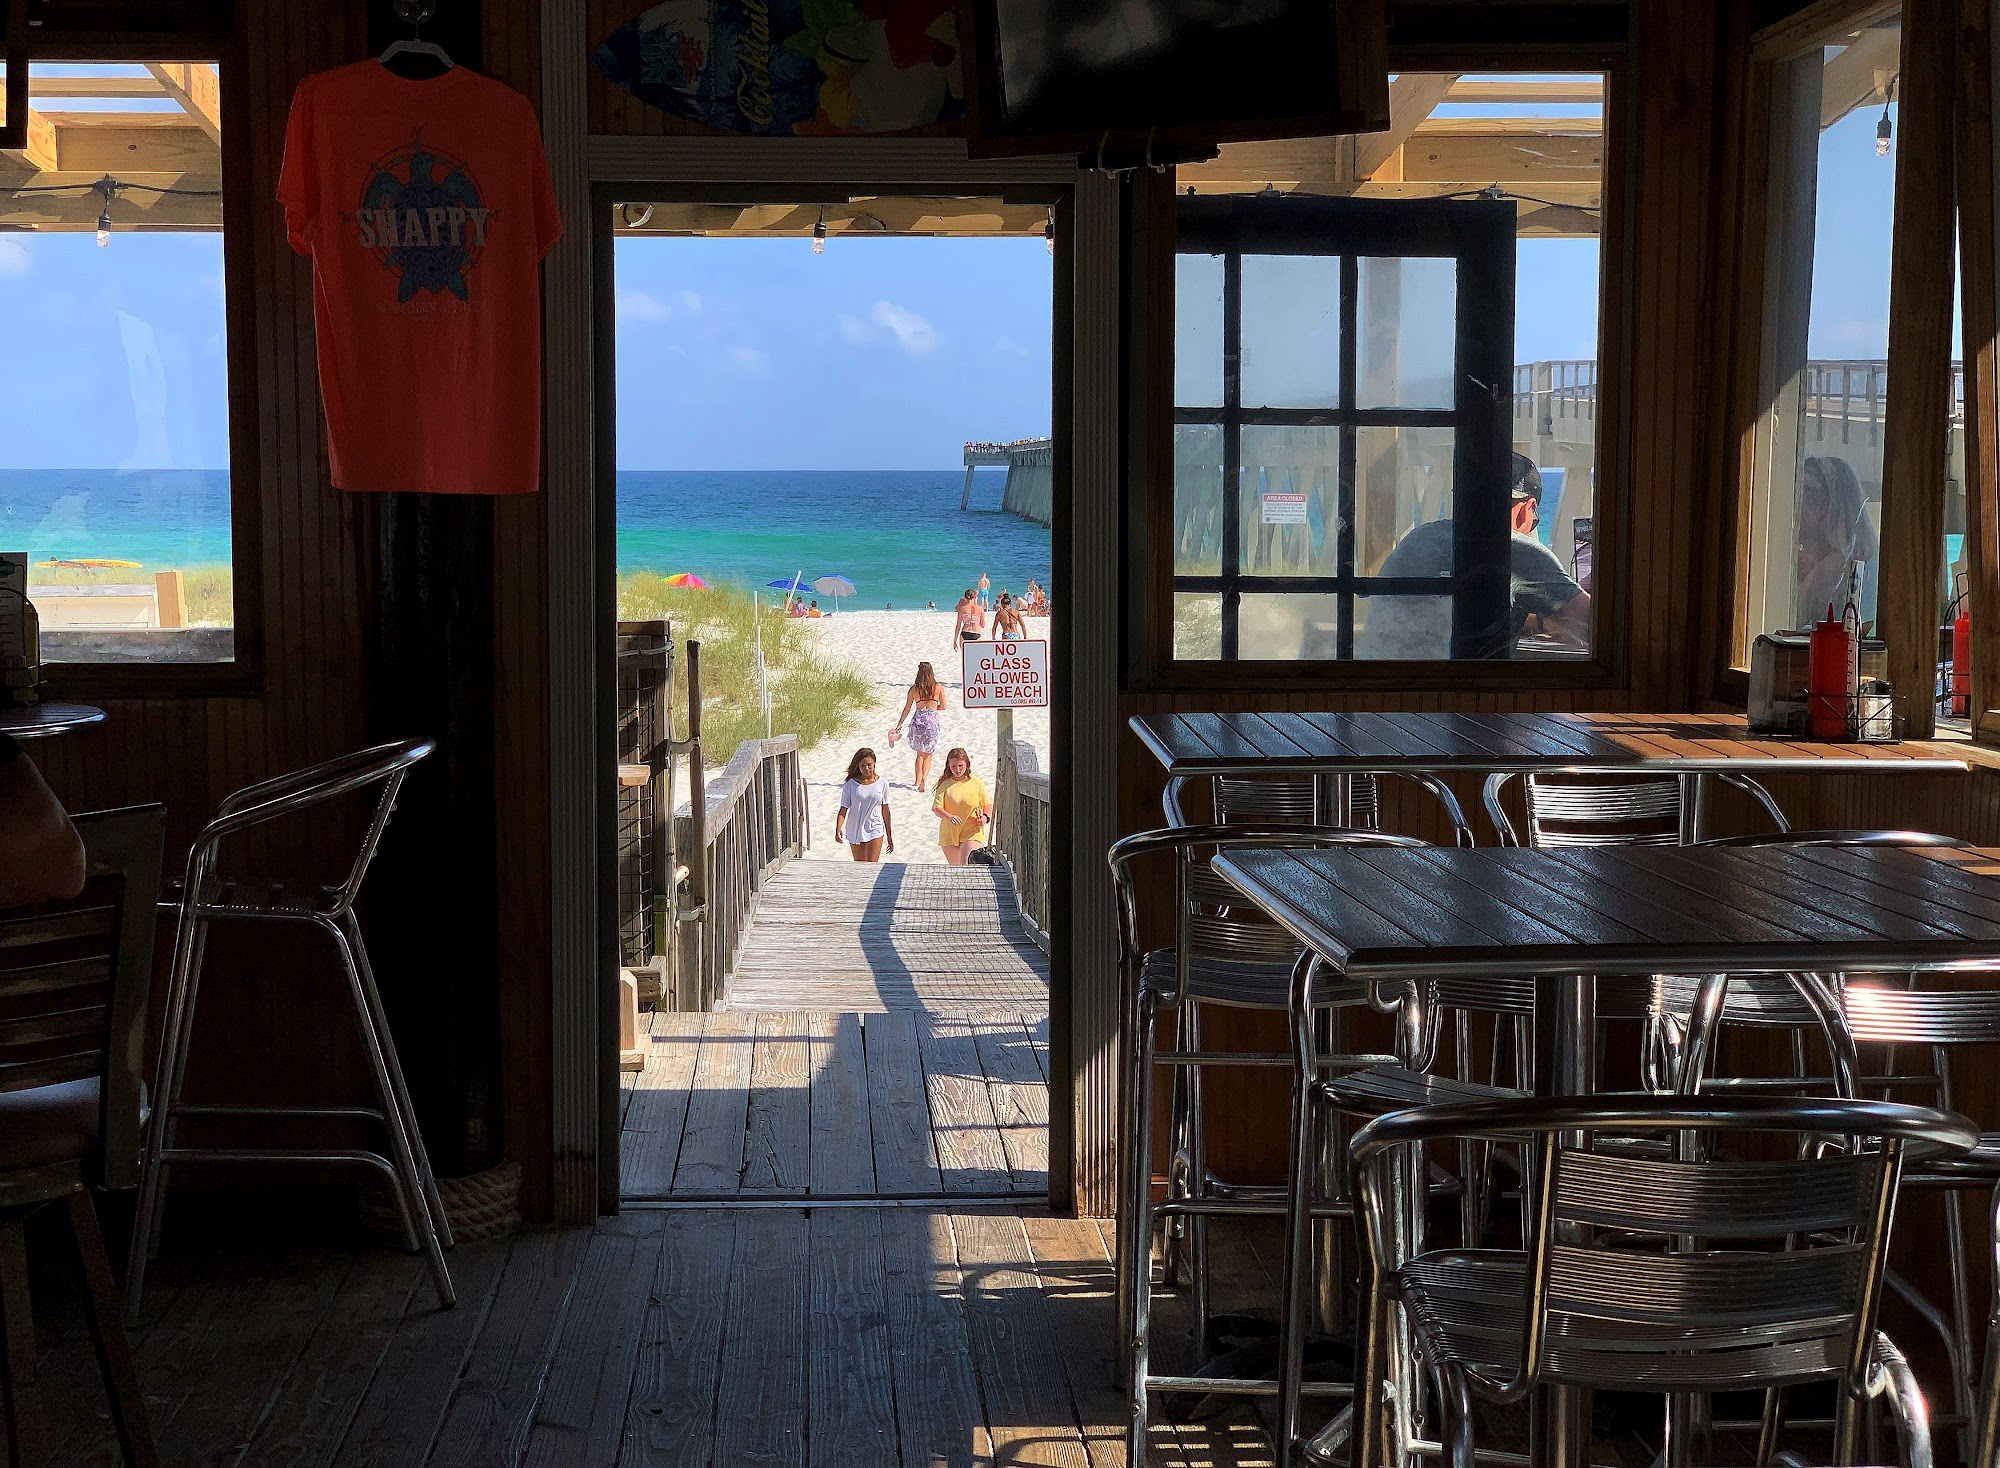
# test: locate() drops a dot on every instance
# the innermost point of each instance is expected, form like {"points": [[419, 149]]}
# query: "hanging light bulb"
{"points": [[1883, 129], [819, 234], [108, 189], [1049, 232]]}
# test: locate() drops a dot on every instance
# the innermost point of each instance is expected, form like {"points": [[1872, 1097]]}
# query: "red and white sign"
{"points": [[1284, 509], [1006, 675]]}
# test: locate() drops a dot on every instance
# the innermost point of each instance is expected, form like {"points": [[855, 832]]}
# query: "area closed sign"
{"points": [[1006, 675]]}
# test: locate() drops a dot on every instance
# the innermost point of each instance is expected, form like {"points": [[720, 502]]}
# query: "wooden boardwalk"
{"points": [[890, 1337], [843, 936], [785, 1103]]}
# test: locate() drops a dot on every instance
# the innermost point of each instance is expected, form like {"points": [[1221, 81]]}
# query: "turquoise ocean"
{"points": [[898, 534]]}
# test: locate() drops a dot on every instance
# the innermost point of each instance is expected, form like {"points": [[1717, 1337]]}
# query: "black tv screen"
{"points": [[1052, 74]]}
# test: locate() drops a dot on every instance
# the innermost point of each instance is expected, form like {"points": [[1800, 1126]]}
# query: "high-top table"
{"points": [[39, 721], [1338, 746], [1386, 915]]}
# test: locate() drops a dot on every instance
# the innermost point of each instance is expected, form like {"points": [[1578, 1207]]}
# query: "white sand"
{"points": [[885, 648]]}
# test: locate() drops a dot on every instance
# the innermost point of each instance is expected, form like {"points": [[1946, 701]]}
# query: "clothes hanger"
{"points": [[413, 13]]}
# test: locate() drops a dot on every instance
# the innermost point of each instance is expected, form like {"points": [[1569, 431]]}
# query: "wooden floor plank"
{"points": [[898, 1111], [966, 1136], [939, 1421], [1019, 1093], [1078, 1289], [843, 1154], [779, 1129], [316, 1402], [649, 1143], [1028, 1406], [487, 1420], [1037, 1026], [670, 1422], [851, 1421], [711, 1159], [761, 1406], [580, 1417], [398, 1417]]}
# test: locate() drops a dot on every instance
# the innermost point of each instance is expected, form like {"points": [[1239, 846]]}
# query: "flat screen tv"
{"points": [[1178, 76]]}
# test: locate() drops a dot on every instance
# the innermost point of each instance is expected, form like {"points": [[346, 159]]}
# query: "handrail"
{"points": [[1020, 835], [733, 834]]}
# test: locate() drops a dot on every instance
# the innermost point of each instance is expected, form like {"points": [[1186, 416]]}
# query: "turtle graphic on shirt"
{"points": [[423, 217]]}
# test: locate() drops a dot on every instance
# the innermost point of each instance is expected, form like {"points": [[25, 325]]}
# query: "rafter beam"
{"points": [[124, 142], [136, 209], [1487, 92], [1850, 78], [196, 87], [1413, 96], [17, 164], [119, 87]]}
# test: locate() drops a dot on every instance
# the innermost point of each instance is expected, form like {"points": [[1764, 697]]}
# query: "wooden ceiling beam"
{"points": [[195, 85], [1850, 78], [126, 88], [134, 209], [1490, 92], [1412, 99], [17, 164], [120, 143]]}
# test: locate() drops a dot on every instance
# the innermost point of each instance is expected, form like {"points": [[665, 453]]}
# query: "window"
{"points": [[1815, 507], [1340, 491], [114, 418]]}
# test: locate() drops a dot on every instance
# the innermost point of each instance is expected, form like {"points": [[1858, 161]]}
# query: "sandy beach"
{"points": [[885, 648]]}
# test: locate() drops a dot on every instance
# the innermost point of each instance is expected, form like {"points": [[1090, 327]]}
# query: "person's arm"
{"points": [[41, 856], [1571, 621], [840, 819], [1543, 588], [888, 830], [908, 701]]}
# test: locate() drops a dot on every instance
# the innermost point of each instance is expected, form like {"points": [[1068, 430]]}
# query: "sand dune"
{"points": [[885, 647]]}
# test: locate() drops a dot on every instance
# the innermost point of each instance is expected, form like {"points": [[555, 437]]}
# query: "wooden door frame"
{"points": [[1083, 997]]}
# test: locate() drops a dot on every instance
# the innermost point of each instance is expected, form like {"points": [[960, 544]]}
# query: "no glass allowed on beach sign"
{"points": [[1006, 675]]}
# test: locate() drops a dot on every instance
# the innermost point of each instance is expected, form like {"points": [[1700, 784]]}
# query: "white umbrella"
{"points": [[835, 587]]}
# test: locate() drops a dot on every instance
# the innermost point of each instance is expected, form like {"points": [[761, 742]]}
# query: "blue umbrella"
{"points": [[833, 586], [790, 588]]}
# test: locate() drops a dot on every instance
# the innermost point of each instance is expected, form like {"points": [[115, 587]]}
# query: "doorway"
{"points": [[809, 1026]]}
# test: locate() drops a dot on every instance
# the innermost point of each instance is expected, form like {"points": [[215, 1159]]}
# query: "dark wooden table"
{"points": [[48, 718]]}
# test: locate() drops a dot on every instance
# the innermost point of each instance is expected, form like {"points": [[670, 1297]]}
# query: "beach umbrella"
{"points": [[688, 581], [833, 586], [90, 565], [790, 588]]}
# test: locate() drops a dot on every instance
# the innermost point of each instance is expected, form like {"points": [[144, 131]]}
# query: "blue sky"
{"points": [[878, 354]]}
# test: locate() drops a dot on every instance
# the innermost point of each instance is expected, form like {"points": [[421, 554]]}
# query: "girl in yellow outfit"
{"points": [[963, 808]]}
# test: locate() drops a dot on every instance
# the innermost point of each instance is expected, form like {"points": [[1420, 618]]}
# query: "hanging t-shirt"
{"points": [[426, 207]]}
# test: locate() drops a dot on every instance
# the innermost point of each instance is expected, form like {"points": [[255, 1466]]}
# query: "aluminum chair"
{"points": [[74, 979], [1606, 810], [205, 897], [1295, 799], [1224, 952], [1771, 1274]]}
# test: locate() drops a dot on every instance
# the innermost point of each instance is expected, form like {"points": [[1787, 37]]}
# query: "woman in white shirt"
{"points": [[863, 822]]}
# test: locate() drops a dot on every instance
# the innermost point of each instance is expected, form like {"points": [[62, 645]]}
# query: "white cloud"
{"points": [[912, 332], [749, 361], [1007, 346], [642, 306], [15, 261], [691, 303]]}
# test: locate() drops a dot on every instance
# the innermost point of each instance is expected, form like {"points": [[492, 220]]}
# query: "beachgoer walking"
{"points": [[863, 822], [1007, 620], [963, 808], [971, 618], [985, 589], [923, 710]]}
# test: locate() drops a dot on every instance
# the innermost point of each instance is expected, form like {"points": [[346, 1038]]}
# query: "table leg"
{"points": [[1333, 800], [1565, 1065], [1694, 808]]}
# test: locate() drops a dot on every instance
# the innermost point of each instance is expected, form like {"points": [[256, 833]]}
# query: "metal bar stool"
{"points": [[204, 897], [1608, 810], [1224, 952], [1770, 1275]]}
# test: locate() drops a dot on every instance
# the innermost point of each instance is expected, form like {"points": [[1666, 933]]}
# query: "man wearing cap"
{"points": [[1418, 628]]}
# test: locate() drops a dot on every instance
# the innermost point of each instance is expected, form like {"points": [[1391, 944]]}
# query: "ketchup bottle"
{"points": [[1961, 660], [1826, 678]]}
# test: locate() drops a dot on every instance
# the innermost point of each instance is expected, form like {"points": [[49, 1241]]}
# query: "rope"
{"points": [[482, 1206]]}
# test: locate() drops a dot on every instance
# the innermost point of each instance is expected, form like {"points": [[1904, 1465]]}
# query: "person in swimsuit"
{"points": [[1007, 620], [963, 808], [971, 618], [863, 822], [923, 709]]}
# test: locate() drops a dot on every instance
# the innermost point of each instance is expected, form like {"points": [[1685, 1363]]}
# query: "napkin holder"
{"points": [[1778, 677]]}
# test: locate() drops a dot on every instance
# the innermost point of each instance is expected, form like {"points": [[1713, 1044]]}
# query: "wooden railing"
{"points": [[1021, 832], [752, 820]]}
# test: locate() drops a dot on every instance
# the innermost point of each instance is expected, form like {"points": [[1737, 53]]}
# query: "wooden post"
{"points": [[170, 597], [1980, 261], [1914, 447]]}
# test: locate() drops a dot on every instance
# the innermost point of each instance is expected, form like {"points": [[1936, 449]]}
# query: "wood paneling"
{"points": [[271, 1022]]}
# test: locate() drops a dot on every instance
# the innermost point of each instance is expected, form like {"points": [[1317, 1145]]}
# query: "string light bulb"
{"points": [[819, 234], [1049, 232], [109, 190], [1884, 130]]}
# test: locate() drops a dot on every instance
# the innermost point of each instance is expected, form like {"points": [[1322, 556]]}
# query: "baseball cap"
{"points": [[1526, 479]]}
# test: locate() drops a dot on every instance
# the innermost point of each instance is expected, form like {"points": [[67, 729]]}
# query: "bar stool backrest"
{"points": [[74, 981], [1273, 799], [1777, 1268], [1604, 810], [384, 764]]}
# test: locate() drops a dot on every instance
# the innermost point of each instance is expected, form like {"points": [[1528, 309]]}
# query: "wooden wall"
{"points": [[272, 1024]]}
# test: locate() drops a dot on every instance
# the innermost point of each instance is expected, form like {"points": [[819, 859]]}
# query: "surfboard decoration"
{"points": [[789, 68]]}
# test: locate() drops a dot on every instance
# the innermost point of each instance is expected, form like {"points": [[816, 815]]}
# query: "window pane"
{"points": [[1406, 311], [1817, 493], [114, 441], [1197, 499], [1197, 626], [1287, 627], [1198, 331], [1291, 501], [1291, 331], [1402, 478]]}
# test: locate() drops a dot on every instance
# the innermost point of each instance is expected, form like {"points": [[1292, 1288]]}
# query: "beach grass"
{"points": [[209, 590], [810, 696]]}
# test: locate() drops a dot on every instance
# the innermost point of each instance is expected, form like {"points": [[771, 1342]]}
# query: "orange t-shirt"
{"points": [[426, 207]]}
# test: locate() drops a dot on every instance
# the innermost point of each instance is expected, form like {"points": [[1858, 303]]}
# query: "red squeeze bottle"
{"points": [[1961, 661], [1826, 679]]}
